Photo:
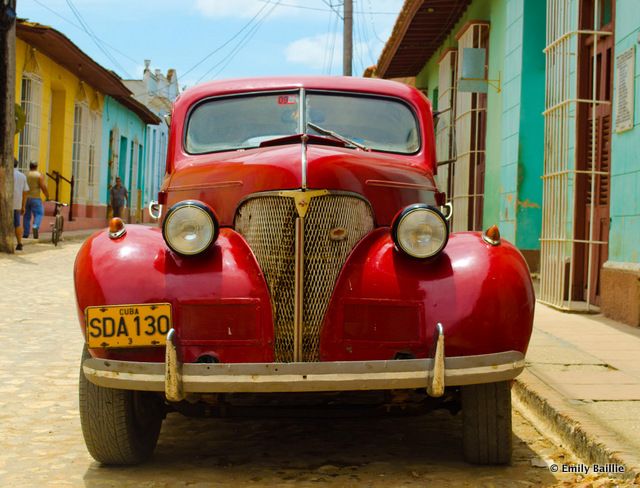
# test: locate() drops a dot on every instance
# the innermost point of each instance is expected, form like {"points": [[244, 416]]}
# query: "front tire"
{"points": [[486, 410], [119, 426], [55, 236], [57, 230]]}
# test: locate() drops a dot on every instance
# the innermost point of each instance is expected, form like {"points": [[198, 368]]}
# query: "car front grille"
{"points": [[333, 224]]}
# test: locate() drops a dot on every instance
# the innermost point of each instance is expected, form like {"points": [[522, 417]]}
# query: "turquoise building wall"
{"points": [[131, 128], [493, 11], [515, 125], [624, 234], [527, 63]]}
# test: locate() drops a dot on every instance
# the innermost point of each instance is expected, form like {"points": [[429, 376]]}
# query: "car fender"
{"points": [[219, 299], [387, 304]]}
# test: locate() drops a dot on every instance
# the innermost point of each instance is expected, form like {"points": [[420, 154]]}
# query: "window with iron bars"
{"points": [[445, 124], [80, 151], [31, 100], [92, 168], [470, 134]]}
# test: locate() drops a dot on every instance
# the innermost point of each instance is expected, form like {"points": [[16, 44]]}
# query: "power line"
{"points": [[333, 44], [318, 9], [359, 42], [250, 36], [365, 35], [373, 25], [82, 29], [227, 42], [333, 7], [243, 42], [325, 52], [94, 38]]}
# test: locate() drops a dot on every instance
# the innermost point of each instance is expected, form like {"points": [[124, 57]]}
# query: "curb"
{"points": [[581, 433]]}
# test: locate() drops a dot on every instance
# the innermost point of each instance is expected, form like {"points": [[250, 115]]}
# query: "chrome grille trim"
{"points": [[267, 221], [268, 225]]}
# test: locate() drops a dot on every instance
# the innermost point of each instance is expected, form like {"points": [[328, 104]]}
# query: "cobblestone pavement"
{"points": [[42, 443]]}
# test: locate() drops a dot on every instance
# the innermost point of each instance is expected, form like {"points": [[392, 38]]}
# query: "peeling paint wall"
{"points": [[130, 129], [493, 11], [531, 135], [624, 236], [515, 125], [59, 93]]}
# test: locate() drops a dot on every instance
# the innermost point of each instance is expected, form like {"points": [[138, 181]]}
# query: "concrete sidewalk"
{"points": [[583, 379], [71, 235]]}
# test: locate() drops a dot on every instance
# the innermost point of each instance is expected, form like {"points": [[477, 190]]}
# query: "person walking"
{"points": [[119, 197], [34, 206], [20, 189]]}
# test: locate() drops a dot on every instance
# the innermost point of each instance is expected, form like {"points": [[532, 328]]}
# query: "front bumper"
{"points": [[180, 380]]}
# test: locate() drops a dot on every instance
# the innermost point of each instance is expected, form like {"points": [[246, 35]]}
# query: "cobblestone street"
{"points": [[43, 446]]}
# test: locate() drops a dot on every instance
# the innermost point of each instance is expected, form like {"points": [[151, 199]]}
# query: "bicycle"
{"points": [[58, 224]]}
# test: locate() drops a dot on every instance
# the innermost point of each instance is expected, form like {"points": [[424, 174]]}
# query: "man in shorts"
{"points": [[119, 198], [20, 189], [35, 181]]}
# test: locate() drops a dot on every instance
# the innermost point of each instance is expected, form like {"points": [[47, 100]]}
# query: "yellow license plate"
{"points": [[128, 325]]}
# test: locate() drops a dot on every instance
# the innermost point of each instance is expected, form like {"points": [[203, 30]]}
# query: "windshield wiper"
{"points": [[337, 136]]}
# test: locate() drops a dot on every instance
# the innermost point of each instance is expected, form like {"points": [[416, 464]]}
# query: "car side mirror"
{"points": [[154, 209], [447, 210], [438, 113]]}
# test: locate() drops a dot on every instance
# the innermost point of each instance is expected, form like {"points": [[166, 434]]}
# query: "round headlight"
{"points": [[189, 228], [420, 231]]}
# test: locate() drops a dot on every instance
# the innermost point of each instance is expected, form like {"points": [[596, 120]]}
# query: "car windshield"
{"points": [[244, 122]]}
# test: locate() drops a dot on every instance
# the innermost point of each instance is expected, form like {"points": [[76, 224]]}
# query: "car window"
{"points": [[242, 122], [377, 123]]}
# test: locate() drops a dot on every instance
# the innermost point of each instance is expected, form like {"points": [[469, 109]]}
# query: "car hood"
{"points": [[222, 180]]}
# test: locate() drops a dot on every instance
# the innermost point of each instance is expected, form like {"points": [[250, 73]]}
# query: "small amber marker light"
{"points": [[492, 235], [116, 228]]}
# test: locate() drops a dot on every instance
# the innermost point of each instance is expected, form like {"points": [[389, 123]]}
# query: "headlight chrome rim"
{"points": [[402, 216], [200, 207]]}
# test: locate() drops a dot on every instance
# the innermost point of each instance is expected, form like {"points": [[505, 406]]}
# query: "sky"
{"points": [[217, 39]]}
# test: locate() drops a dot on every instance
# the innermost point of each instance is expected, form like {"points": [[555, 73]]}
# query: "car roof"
{"points": [[338, 83]]}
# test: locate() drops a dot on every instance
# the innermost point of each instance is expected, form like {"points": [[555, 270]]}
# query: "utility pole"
{"points": [[347, 38], [7, 120]]}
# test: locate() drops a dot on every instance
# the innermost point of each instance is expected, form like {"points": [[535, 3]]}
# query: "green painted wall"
{"points": [[131, 128], [522, 155], [493, 11], [507, 169], [624, 235], [531, 149], [515, 125]]}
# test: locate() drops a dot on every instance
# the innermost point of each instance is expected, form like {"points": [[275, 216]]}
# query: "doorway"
{"points": [[593, 162]]}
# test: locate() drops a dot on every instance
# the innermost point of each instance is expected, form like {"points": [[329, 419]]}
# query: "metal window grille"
{"points": [[31, 99], [163, 154], [469, 139], [93, 155], [80, 151], [133, 193], [445, 129], [558, 238], [114, 157]]}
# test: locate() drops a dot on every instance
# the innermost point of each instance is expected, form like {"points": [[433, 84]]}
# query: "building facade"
{"points": [[65, 96], [537, 131], [621, 270], [124, 136], [489, 136], [157, 92]]}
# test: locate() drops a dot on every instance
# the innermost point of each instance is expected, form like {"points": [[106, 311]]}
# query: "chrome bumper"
{"points": [[178, 380]]}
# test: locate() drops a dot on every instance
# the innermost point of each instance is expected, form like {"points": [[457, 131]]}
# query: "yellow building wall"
{"points": [[60, 91]]}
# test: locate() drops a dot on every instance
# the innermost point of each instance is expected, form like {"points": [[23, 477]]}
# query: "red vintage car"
{"points": [[301, 248]]}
